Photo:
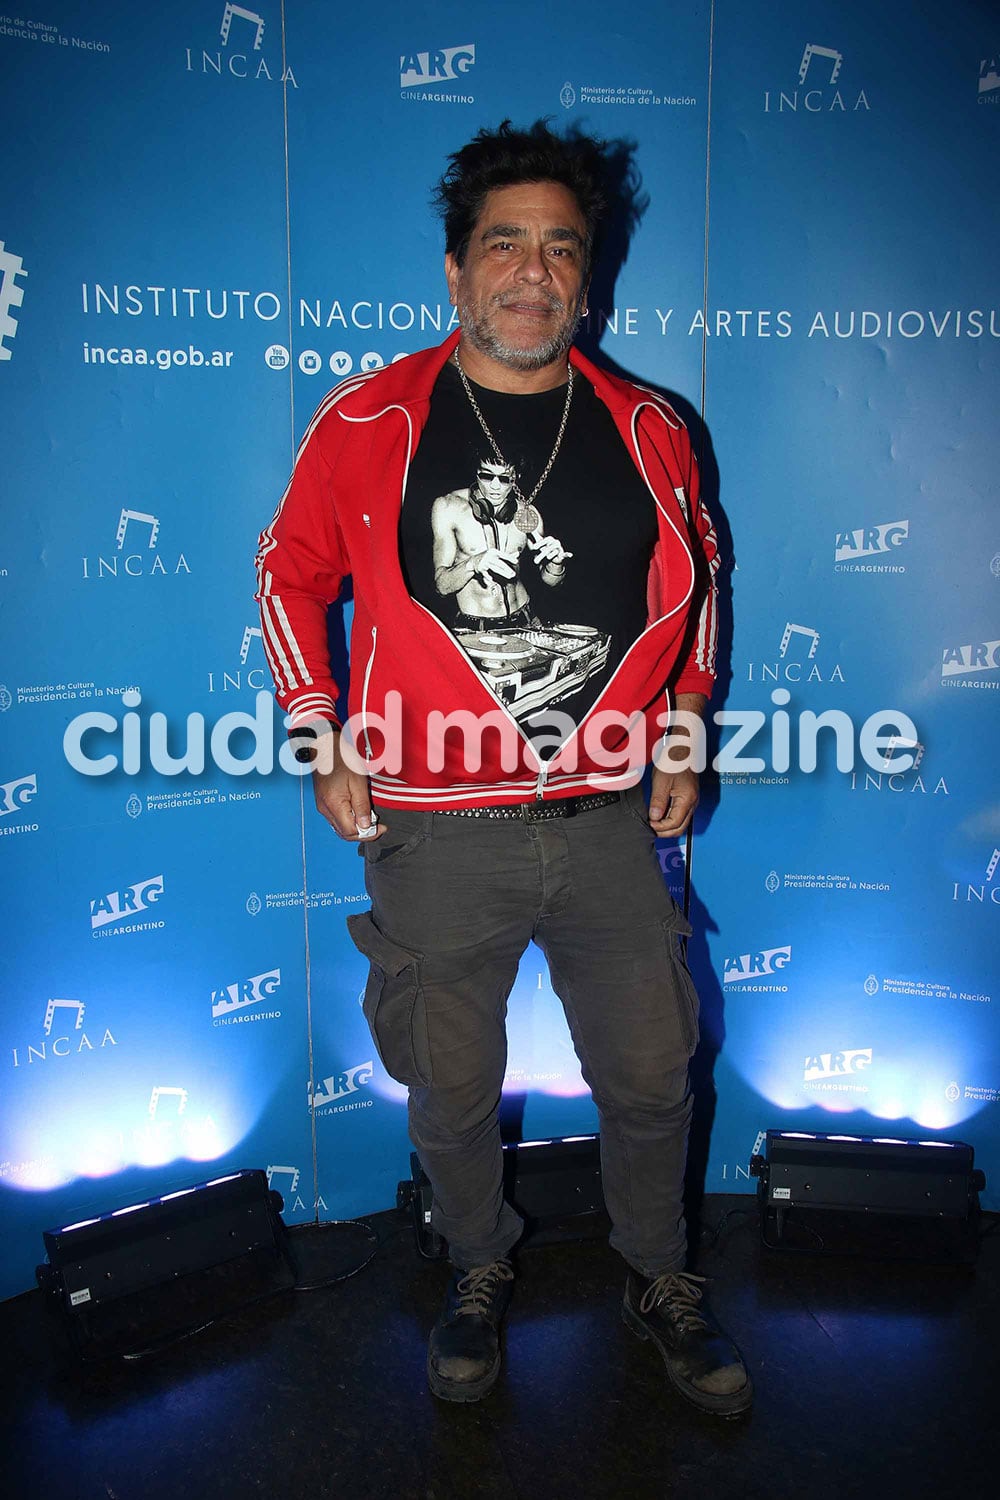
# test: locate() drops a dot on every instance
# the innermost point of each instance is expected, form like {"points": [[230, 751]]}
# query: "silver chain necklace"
{"points": [[526, 518]]}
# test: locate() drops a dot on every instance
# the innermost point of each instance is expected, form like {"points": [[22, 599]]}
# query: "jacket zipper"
{"points": [[364, 694]]}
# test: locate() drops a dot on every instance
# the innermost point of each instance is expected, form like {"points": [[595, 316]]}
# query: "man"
{"points": [[478, 546], [537, 829]]}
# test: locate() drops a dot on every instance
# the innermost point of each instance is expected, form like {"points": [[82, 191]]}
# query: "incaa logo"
{"points": [[244, 992], [63, 1035], [797, 653], [987, 892], [339, 1085], [870, 541], [285, 1180], [819, 72], [897, 781], [749, 966], [241, 55], [442, 66], [119, 906], [247, 675], [836, 1064], [141, 530]]}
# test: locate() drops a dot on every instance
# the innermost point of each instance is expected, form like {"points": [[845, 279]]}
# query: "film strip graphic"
{"points": [[244, 15], [994, 861], [11, 295], [136, 515], [292, 1172], [812, 51], [790, 630], [899, 742], [162, 1092], [248, 635], [54, 1005]]}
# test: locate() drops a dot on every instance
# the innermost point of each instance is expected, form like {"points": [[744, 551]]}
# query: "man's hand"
{"points": [[672, 801], [491, 565], [674, 795], [547, 549], [342, 796]]}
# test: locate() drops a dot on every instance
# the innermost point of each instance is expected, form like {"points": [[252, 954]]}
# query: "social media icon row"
{"points": [[310, 362]]}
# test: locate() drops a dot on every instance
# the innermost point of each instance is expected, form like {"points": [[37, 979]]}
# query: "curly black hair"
{"points": [[505, 157]]}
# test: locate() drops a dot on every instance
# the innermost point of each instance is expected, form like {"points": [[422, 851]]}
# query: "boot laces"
{"points": [[679, 1293], [477, 1288]]}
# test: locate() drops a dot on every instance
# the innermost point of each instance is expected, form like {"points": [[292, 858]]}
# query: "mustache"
{"points": [[541, 298]]}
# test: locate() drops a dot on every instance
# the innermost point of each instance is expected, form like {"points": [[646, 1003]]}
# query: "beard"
{"points": [[479, 327]]}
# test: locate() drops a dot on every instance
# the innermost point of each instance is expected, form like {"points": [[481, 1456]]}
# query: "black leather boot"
{"points": [[701, 1362], [463, 1360]]}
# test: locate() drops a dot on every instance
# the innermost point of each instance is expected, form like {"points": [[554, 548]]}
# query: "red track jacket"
{"points": [[340, 515]]}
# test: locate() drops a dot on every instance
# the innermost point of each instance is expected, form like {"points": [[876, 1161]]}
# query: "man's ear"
{"points": [[452, 273]]}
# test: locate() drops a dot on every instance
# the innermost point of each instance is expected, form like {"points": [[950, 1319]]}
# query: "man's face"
{"points": [[520, 290], [494, 482]]}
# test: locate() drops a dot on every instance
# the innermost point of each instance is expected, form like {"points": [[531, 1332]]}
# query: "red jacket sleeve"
{"points": [[301, 564], [697, 673]]}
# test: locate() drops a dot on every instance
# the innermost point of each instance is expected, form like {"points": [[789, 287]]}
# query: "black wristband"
{"points": [[306, 754]]}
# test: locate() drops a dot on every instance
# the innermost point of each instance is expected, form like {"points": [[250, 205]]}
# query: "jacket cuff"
{"points": [[312, 707], [695, 682]]}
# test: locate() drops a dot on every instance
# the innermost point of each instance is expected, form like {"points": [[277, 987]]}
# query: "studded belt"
{"points": [[534, 812]]}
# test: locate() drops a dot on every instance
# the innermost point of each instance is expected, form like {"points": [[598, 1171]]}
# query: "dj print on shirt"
{"points": [[545, 597]]}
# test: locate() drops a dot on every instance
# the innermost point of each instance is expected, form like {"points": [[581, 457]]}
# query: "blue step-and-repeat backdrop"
{"points": [[210, 213]]}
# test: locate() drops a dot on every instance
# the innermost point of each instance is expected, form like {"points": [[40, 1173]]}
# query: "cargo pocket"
{"points": [[393, 1003], [675, 929]]}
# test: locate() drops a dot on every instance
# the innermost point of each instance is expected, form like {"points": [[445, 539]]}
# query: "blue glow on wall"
{"points": [[172, 308]]}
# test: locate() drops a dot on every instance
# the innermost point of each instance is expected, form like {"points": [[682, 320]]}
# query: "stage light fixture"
{"points": [[852, 1193], [142, 1274], [549, 1182]]}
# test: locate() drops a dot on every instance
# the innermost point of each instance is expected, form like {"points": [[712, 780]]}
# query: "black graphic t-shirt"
{"points": [[545, 601]]}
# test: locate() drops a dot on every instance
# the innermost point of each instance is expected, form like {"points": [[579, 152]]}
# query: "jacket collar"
{"points": [[407, 383], [410, 381]]}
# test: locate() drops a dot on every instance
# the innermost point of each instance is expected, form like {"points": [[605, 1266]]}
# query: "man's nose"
{"points": [[534, 267]]}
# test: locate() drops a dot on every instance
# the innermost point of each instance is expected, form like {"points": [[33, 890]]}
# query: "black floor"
{"points": [[873, 1377]]}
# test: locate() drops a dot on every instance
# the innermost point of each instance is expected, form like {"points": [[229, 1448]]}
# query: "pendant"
{"points": [[527, 519]]}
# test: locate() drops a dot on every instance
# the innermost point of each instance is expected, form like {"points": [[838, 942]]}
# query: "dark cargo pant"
{"points": [[454, 904]]}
